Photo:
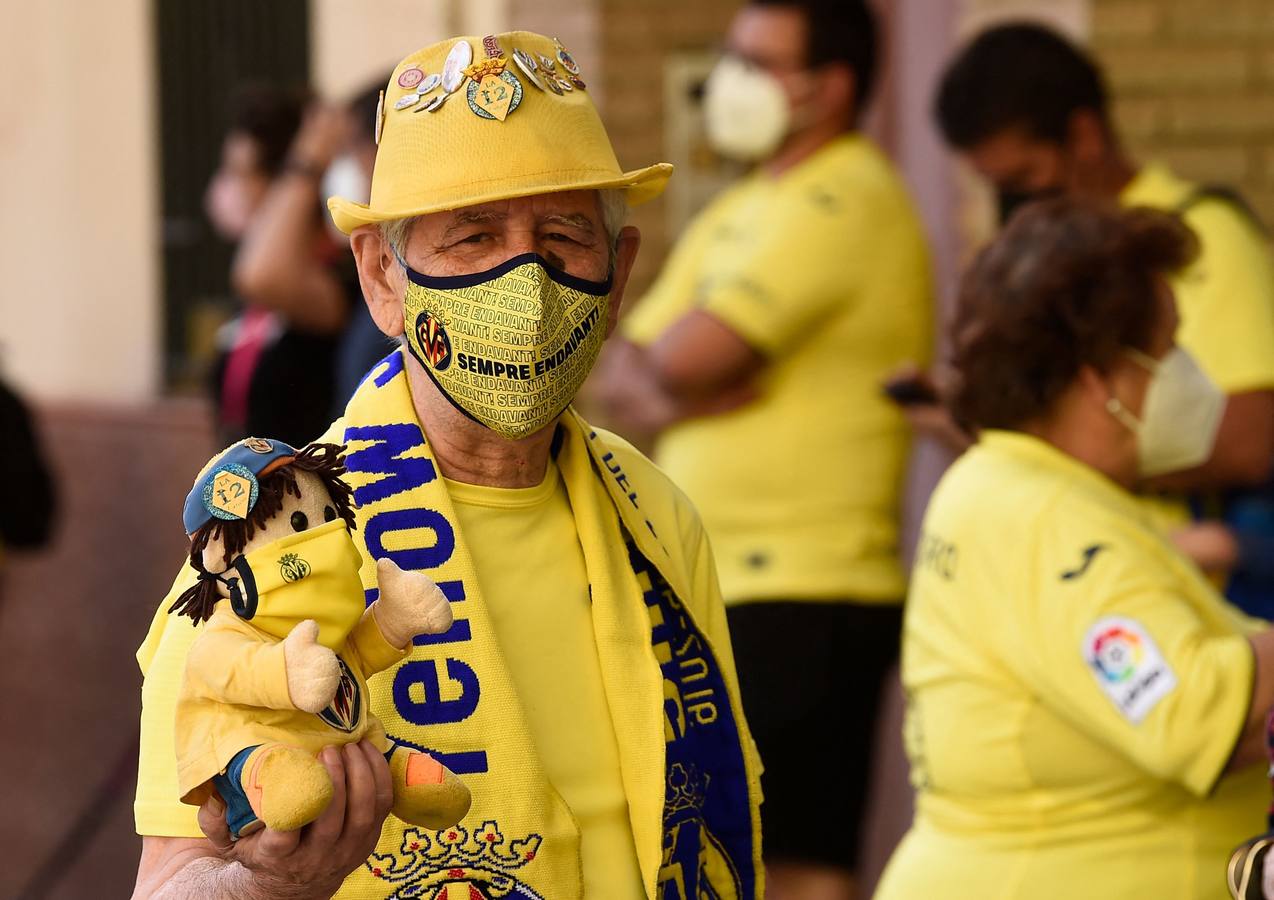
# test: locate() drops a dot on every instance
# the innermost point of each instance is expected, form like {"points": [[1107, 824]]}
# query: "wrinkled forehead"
{"points": [[581, 209]]}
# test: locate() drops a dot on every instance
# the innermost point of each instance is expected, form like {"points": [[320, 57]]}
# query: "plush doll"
{"points": [[279, 670]]}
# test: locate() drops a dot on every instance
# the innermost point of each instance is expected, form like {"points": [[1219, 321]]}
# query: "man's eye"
{"points": [[473, 239], [558, 236], [300, 521]]}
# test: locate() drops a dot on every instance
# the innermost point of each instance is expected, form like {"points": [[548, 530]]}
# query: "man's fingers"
{"points": [[360, 791], [384, 780], [327, 828], [212, 822], [275, 844]]}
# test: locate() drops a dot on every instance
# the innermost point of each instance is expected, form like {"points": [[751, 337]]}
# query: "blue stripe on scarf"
{"points": [[383, 456], [707, 812]]}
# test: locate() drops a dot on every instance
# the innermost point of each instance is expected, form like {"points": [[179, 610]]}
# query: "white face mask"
{"points": [[344, 177], [1180, 417], [745, 110]]}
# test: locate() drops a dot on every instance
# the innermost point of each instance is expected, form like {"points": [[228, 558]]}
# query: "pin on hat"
{"points": [[493, 90], [491, 147], [228, 487]]}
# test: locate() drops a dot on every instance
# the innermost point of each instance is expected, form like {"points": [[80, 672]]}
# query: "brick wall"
{"points": [[1193, 85], [636, 39]]}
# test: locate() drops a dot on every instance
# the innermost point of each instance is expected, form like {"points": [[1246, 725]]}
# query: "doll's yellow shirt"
{"points": [[177, 715], [824, 270], [531, 571], [1075, 690], [232, 658]]}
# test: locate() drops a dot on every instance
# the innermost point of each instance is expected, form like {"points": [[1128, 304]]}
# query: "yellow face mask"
{"points": [[508, 347], [309, 575]]}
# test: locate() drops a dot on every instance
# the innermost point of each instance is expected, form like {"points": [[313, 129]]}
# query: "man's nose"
{"points": [[520, 241]]}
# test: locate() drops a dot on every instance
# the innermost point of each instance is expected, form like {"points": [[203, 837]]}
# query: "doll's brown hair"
{"points": [[327, 461]]}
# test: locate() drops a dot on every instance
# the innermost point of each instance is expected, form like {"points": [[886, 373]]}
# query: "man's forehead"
{"points": [[539, 206], [1007, 155]]}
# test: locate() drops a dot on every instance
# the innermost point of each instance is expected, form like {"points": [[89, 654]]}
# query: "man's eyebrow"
{"points": [[574, 220], [473, 217]]}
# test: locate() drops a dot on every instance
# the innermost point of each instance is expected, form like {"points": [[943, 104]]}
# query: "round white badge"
{"points": [[458, 59]]}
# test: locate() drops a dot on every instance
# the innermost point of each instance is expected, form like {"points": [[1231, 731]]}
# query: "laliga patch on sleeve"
{"points": [[1128, 666]]}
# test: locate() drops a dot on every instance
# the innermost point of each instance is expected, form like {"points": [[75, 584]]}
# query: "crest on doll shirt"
{"points": [[453, 864], [347, 706]]}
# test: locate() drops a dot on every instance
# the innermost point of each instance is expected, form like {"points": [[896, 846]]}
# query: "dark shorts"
{"points": [[811, 675]]}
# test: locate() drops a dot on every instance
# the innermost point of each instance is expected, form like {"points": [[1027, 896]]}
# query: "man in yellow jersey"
{"points": [[1029, 111], [759, 355], [586, 693]]}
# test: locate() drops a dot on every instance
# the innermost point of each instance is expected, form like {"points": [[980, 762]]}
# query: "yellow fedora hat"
{"points": [[470, 120]]}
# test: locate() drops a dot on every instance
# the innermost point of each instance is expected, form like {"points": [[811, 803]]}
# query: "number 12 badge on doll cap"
{"points": [[226, 488]]}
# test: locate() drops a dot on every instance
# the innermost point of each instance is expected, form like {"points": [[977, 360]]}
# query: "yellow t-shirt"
{"points": [[825, 271], [531, 572], [1075, 690], [1225, 298]]}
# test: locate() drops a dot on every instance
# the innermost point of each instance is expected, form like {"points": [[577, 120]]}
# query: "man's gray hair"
{"points": [[613, 201]]}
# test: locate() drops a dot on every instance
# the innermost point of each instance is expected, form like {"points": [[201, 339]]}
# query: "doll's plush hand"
{"points": [[409, 604], [312, 670]]}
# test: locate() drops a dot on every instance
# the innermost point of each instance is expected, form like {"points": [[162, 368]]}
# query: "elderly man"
{"points": [[585, 692]]}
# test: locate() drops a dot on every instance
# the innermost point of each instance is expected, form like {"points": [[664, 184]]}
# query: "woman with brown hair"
{"points": [[1085, 712]]}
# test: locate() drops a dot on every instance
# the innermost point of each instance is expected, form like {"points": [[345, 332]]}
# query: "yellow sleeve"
{"points": [[798, 272], [374, 652], [157, 809], [1119, 651], [232, 666], [676, 290], [1226, 300]]}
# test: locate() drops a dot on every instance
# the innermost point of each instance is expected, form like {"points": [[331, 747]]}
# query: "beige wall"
{"points": [[79, 309], [351, 44]]}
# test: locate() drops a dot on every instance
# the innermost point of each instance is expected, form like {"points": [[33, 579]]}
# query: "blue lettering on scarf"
{"points": [[393, 364], [385, 457], [391, 520], [416, 687], [707, 820], [430, 708]]}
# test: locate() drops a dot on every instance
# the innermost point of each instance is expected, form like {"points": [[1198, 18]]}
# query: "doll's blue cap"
{"points": [[227, 486]]}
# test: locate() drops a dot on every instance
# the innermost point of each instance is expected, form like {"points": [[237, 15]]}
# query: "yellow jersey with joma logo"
{"points": [[1075, 691]]}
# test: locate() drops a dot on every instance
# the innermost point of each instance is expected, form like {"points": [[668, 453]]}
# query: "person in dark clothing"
{"points": [[28, 494], [275, 374], [362, 344]]}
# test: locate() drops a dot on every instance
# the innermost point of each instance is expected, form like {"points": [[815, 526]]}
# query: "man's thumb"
{"points": [[212, 822]]}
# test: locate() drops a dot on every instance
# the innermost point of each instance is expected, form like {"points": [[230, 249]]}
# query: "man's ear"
{"points": [[626, 246], [839, 90], [1086, 136], [381, 278]]}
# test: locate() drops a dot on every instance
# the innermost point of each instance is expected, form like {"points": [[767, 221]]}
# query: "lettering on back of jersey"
{"points": [[1128, 666], [936, 554], [1086, 560]]}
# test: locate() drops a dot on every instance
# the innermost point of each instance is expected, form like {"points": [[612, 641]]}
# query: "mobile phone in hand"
{"points": [[911, 391]]}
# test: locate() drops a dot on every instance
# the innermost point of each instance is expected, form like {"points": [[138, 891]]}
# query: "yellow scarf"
{"points": [[693, 797]]}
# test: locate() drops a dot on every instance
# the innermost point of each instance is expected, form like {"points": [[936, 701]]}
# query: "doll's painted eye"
{"points": [[299, 521], [328, 514]]}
